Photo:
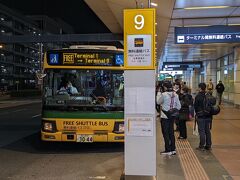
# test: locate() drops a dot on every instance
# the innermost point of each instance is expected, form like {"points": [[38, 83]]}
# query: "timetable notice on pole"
{"points": [[140, 126]]}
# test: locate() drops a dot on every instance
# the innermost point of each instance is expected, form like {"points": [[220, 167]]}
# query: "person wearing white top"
{"points": [[168, 99], [72, 89]]}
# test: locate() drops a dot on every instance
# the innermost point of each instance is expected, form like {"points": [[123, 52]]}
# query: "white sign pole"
{"points": [[139, 94]]}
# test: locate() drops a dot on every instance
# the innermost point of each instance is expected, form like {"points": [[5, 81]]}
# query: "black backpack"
{"points": [[209, 106], [186, 100]]}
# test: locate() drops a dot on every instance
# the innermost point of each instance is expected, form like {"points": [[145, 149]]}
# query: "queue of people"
{"points": [[177, 105]]}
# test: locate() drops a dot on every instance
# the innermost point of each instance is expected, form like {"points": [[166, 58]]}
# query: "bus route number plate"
{"points": [[85, 138]]}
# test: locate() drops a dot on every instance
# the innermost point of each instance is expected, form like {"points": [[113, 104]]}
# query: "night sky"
{"points": [[74, 12]]}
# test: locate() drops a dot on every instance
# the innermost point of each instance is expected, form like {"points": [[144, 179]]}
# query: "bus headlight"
{"points": [[48, 126], [119, 127]]}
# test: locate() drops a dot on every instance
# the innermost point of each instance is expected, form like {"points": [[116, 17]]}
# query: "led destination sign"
{"points": [[209, 34], [85, 59]]}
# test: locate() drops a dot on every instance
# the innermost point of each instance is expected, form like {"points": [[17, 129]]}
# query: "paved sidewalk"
{"points": [[222, 163], [7, 101]]}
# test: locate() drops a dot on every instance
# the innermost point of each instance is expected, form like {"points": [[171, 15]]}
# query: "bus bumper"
{"points": [[82, 137]]}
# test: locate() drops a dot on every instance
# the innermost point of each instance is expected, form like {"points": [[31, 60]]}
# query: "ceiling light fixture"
{"points": [[199, 53], [206, 7], [154, 4], [176, 51], [175, 54], [195, 25], [234, 24], [208, 49]]}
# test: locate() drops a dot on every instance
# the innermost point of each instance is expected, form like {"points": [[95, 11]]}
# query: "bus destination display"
{"points": [[85, 59]]}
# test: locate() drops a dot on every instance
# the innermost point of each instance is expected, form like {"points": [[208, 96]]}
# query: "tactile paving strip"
{"points": [[191, 166]]}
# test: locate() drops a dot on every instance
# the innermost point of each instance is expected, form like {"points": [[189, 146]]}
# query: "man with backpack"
{"points": [[204, 105]]}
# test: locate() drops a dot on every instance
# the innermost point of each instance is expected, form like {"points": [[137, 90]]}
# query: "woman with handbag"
{"points": [[170, 104]]}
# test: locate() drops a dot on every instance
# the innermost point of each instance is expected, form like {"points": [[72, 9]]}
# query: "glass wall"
{"points": [[225, 73]]}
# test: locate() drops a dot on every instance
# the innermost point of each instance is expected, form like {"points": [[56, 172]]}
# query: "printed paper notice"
{"points": [[140, 126], [140, 100]]}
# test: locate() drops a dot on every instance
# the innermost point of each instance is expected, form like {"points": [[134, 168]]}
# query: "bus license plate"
{"points": [[84, 138]]}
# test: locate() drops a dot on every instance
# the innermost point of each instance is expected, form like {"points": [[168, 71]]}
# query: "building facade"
{"points": [[19, 62]]}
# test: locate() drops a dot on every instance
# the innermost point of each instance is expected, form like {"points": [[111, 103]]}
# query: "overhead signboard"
{"points": [[184, 66], [209, 34], [139, 38]]}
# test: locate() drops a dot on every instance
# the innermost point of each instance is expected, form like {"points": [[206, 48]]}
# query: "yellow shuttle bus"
{"points": [[83, 95]]}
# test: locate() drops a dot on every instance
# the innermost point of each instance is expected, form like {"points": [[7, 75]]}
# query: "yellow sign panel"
{"points": [[139, 39]]}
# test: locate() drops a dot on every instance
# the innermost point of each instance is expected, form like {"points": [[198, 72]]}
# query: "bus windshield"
{"points": [[83, 90]]}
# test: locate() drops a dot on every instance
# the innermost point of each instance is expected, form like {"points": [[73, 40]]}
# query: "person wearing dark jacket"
{"points": [[203, 120], [177, 88], [220, 88], [186, 101]]}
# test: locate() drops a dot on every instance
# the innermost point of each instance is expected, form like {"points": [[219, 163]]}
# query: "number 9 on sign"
{"points": [[139, 21]]}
